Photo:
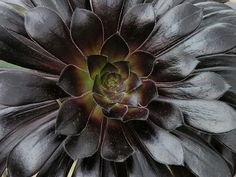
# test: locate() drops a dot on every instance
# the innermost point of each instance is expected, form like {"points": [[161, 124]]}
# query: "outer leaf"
{"points": [[23, 3], [53, 35], [88, 167], [105, 9], [173, 68], [11, 140], [128, 4], [87, 31], [202, 160], [13, 117], [83, 4], [115, 48], [205, 85], [160, 144], [26, 87], [140, 165], [176, 23], [181, 171], [137, 24], [165, 115], [40, 144], [11, 19], [208, 41], [228, 139], [87, 143], [75, 81], [210, 116], [163, 6], [58, 165], [74, 114], [21, 51], [62, 7], [115, 146]]}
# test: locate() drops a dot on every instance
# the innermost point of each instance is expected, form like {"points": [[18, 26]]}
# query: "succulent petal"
{"points": [[147, 92], [207, 115], [53, 36], [205, 85], [165, 115], [95, 64], [75, 81], [105, 9], [139, 113], [176, 23], [87, 143], [141, 63], [133, 82], [103, 101], [87, 31], [123, 69], [118, 111], [11, 19], [122, 88], [90, 166], [160, 144], [115, 48], [62, 7], [207, 163], [137, 24], [173, 68], [41, 143], [74, 114], [115, 146], [23, 52], [25, 87]]}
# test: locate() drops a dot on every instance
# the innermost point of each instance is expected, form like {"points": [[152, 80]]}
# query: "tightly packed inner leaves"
{"points": [[120, 88], [115, 82]]}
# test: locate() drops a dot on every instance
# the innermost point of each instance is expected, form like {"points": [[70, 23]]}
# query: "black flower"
{"points": [[122, 88]]}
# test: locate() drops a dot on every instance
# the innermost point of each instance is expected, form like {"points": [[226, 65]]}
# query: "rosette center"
{"points": [[112, 82]]}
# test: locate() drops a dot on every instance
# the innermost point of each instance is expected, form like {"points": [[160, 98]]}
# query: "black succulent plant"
{"points": [[120, 88]]}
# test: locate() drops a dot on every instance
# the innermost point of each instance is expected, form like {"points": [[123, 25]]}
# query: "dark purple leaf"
{"points": [[87, 31], [137, 24], [48, 29], [74, 114], [173, 68], [11, 19], [206, 85], [165, 114], [32, 152], [138, 113], [75, 81], [210, 116], [141, 63], [21, 51], [202, 160], [105, 9], [133, 82], [115, 146], [20, 88], [87, 143], [58, 165], [175, 24], [95, 64], [115, 48], [62, 7], [160, 144]]}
